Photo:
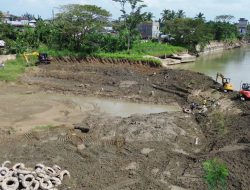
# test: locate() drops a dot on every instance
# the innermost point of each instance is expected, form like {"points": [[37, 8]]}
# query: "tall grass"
{"points": [[13, 69], [142, 49], [60, 53], [155, 49]]}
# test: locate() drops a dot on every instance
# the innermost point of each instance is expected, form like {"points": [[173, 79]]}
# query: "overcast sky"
{"points": [[211, 8]]}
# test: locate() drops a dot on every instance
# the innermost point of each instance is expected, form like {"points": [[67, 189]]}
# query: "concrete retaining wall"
{"points": [[4, 58], [219, 46]]}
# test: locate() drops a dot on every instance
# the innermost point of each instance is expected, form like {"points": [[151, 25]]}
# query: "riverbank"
{"points": [[233, 64], [215, 46]]}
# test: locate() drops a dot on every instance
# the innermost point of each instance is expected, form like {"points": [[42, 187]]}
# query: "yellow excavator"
{"points": [[227, 86], [42, 58]]}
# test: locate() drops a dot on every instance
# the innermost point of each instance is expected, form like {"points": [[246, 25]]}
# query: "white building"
{"points": [[149, 30]]}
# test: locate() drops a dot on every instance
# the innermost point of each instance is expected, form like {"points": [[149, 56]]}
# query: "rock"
{"points": [[131, 174], [146, 151], [152, 93], [127, 84], [132, 166], [82, 129], [81, 147], [155, 171]]}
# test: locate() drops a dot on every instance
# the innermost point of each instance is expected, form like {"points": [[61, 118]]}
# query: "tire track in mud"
{"points": [[122, 184]]}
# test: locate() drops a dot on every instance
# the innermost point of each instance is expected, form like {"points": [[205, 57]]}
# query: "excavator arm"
{"points": [[219, 75], [26, 55]]}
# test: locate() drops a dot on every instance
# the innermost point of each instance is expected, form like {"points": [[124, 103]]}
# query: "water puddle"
{"points": [[125, 109], [29, 110]]}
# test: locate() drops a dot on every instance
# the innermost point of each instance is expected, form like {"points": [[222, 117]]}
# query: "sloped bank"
{"points": [[215, 46], [109, 60]]}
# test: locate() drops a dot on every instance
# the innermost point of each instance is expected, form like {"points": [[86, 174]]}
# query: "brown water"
{"points": [[38, 109], [124, 109], [234, 64]]}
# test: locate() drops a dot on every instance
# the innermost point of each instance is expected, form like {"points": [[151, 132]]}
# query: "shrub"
{"points": [[219, 122], [216, 174]]}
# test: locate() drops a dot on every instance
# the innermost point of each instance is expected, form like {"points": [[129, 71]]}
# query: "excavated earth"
{"points": [[139, 152]]}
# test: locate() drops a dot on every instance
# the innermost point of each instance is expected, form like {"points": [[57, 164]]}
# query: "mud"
{"points": [[25, 110], [150, 151]]}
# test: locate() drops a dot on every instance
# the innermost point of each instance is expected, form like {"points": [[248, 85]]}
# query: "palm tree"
{"points": [[167, 15], [200, 16], [149, 16], [180, 14]]}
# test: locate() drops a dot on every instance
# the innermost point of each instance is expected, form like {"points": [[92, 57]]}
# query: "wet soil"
{"points": [[150, 151]]}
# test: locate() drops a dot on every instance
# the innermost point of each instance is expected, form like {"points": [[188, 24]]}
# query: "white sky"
{"points": [[211, 8]]}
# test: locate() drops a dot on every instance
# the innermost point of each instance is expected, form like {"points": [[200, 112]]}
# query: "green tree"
{"points": [[149, 16], [215, 174], [75, 22], [1, 16], [168, 15], [200, 16], [223, 30], [130, 19], [188, 32], [180, 14], [224, 18]]}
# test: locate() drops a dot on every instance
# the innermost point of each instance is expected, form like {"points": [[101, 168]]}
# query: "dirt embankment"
{"points": [[154, 151]]}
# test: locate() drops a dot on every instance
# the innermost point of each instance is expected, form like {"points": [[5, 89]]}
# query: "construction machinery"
{"points": [[245, 91], [227, 86], [42, 58]]}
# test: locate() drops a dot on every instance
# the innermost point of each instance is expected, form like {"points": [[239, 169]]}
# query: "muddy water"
{"points": [[234, 64], [125, 109], [39, 109]]}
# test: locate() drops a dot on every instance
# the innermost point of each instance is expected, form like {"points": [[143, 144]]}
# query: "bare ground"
{"points": [[153, 151]]}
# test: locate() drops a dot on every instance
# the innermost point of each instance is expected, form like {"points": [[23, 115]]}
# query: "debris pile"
{"points": [[41, 177]]}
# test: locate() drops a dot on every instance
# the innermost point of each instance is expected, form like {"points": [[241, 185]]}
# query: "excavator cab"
{"points": [[245, 91], [246, 86], [226, 82], [43, 59]]}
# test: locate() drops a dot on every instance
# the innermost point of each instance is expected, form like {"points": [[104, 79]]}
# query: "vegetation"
{"points": [[224, 18], [216, 174], [189, 32], [130, 20], [13, 69], [219, 122], [141, 50], [155, 49], [79, 30]]}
